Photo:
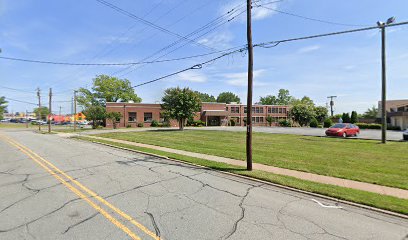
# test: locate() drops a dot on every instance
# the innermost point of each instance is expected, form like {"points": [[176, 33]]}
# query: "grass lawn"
{"points": [[361, 160], [15, 125], [367, 198]]}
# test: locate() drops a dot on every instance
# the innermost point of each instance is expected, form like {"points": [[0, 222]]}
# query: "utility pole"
{"points": [[382, 26], [60, 110], [75, 106], [50, 109], [250, 87], [39, 108], [331, 104], [26, 115]]}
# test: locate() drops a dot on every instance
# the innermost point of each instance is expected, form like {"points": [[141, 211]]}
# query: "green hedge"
{"points": [[376, 126]]}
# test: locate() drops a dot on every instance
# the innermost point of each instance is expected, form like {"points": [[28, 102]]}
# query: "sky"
{"points": [[347, 66]]}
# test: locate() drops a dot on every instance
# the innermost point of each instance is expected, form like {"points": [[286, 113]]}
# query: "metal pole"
{"points": [[250, 87], [383, 89], [39, 108], [75, 111], [26, 115], [50, 109]]}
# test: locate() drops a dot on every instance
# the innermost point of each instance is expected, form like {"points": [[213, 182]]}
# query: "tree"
{"points": [[107, 89], [180, 104], [371, 113], [228, 97], [321, 113], [302, 113], [42, 112], [205, 97], [346, 117], [96, 113], [114, 117], [314, 123], [269, 119], [283, 98], [3, 105], [354, 117]]}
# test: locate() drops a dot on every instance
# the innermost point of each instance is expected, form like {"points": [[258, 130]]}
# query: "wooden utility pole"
{"points": [[331, 104], [250, 87], [26, 116], [50, 109], [39, 108], [75, 107]]}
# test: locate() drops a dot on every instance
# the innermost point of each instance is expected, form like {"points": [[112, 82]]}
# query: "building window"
{"points": [[274, 110], [280, 110], [234, 109], [284, 110], [257, 110], [261, 110], [132, 117], [245, 109], [269, 110], [148, 117]]}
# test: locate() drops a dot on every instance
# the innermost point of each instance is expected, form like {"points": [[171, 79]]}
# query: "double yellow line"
{"points": [[57, 173]]}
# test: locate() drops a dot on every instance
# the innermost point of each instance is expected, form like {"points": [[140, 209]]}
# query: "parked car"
{"points": [[5, 120], [343, 130], [405, 135]]}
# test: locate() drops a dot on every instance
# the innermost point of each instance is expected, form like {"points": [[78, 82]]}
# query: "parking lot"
{"points": [[364, 134]]}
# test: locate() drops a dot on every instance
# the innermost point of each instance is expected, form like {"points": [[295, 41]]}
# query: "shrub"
{"points": [[284, 123], [140, 125], [313, 123], [128, 126], [327, 123], [198, 123], [320, 126], [368, 125], [232, 122], [154, 123], [190, 122], [397, 128]]}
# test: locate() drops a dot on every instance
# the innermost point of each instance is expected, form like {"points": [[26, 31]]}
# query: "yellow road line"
{"points": [[93, 194], [79, 193]]}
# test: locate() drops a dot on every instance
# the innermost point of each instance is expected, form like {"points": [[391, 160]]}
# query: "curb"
{"points": [[383, 211]]}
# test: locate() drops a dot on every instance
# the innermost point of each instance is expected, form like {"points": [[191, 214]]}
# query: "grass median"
{"points": [[360, 160], [367, 198]]}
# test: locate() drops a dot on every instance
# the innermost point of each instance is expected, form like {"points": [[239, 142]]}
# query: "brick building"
{"points": [[213, 114]]}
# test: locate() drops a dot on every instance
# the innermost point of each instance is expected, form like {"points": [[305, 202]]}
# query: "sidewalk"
{"points": [[369, 187]]}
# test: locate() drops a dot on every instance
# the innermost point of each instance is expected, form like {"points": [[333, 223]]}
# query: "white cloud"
{"points": [[218, 40], [309, 49], [192, 77], [241, 79]]}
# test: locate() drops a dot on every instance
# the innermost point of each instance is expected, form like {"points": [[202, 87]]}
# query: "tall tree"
{"points": [[283, 98], [371, 113], [107, 89], [3, 105], [302, 113], [354, 117], [321, 113], [346, 117], [205, 97], [96, 114], [228, 97], [42, 112], [180, 104]]}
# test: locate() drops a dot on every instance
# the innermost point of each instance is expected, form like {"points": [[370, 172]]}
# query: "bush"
{"points": [[128, 126], [313, 123], [232, 122], [396, 128], [166, 124], [327, 123], [198, 123], [154, 123], [284, 123], [320, 126], [140, 125], [368, 125]]}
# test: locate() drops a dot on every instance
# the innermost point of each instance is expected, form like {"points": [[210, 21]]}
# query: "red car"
{"points": [[343, 130]]}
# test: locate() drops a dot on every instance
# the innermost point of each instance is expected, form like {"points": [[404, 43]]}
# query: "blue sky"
{"points": [[87, 31]]}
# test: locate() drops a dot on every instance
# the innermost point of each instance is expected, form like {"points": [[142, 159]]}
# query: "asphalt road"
{"points": [[364, 134], [58, 188]]}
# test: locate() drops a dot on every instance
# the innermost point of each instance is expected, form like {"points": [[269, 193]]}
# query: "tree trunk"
{"points": [[181, 124]]}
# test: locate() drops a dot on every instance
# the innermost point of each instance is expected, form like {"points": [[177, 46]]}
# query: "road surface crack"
{"points": [[80, 222]]}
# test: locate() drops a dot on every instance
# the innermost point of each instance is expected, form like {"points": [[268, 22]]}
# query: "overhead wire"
{"points": [[16, 100], [148, 23]]}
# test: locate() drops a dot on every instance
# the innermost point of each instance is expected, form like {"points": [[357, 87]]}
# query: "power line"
{"points": [[312, 19], [15, 100], [196, 66], [19, 90], [275, 43], [107, 64], [131, 15]]}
